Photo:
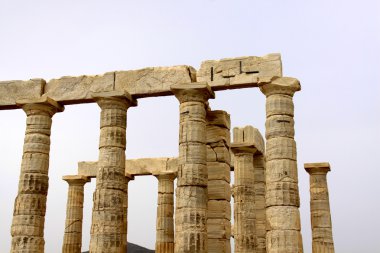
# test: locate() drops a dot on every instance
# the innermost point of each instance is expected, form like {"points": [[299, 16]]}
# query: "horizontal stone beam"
{"points": [[12, 91], [232, 73], [236, 73], [135, 167]]}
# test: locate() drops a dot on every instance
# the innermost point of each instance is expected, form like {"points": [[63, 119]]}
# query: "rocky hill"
{"points": [[133, 248]]}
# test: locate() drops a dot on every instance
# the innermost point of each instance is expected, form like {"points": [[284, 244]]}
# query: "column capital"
{"points": [[114, 99], [165, 175], [192, 92], [281, 85], [76, 179], [36, 105], [243, 148], [317, 168]]}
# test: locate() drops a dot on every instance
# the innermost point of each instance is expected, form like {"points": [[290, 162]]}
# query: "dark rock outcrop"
{"points": [[133, 248]]}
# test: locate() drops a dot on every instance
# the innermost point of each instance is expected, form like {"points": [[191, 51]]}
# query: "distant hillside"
{"points": [[133, 248]]}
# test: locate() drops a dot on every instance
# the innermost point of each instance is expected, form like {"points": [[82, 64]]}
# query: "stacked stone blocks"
{"points": [[72, 240], [109, 216], [282, 196], [30, 204], [219, 190], [165, 213], [320, 208], [191, 192]]}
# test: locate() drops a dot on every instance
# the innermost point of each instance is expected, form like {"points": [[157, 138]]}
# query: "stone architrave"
{"points": [[219, 189], [320, 208], [165, 213], [30, 204], [247, 143], [282, 195], [72, 239], [191, 192], [109, 214]]}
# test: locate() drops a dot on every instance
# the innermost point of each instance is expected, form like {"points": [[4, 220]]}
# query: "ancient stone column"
{"points": [[282, 195], [320, 208], [165, 212], [72, 239], [248, 144], [30, 204], [109, 214], [191, 192], [259, 185], [219, 177]]}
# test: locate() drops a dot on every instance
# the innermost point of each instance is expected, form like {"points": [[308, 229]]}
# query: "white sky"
{"points": [[332, 47]]}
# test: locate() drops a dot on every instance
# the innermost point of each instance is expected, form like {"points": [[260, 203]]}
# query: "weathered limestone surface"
{"points": [[109, 215], [153, 81], [69, 89], [224, 74], [11, 91], [259, 167], [320, 208], [139, 83], [191, 192], [235, 73], [248, 144], [30, 204], [135, 167], [72, 239], [165, 213], [282, 196], [219, 190]]}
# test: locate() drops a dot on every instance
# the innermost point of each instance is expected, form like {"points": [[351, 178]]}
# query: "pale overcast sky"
{"points": [[332, 47]]}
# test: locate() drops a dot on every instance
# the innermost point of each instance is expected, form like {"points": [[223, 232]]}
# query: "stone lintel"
{"points": [[135, 167], [238, 148], [76, 179], [233, 73], [12, 91], [240, 72], [200, 91], [317, 168], [43, 100]]}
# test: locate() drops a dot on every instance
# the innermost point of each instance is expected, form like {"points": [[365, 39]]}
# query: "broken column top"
{"points": [[316, 168], [248, 136], [231, 73]]}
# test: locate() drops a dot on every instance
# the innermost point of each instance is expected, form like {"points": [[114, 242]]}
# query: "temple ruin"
{"points": [[265, 193]]}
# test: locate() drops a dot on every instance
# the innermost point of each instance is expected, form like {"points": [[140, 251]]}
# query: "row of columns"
{"points": [[249, 215], [109, 218]]}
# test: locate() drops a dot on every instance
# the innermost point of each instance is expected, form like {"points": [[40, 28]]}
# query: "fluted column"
{"points": [[282, 195], [109, 214], [191, 192], [219, 177], [30, 204], [259, 185], [244, 199], [320, 208], [165, 212], [248, 190], [72, 239]]}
